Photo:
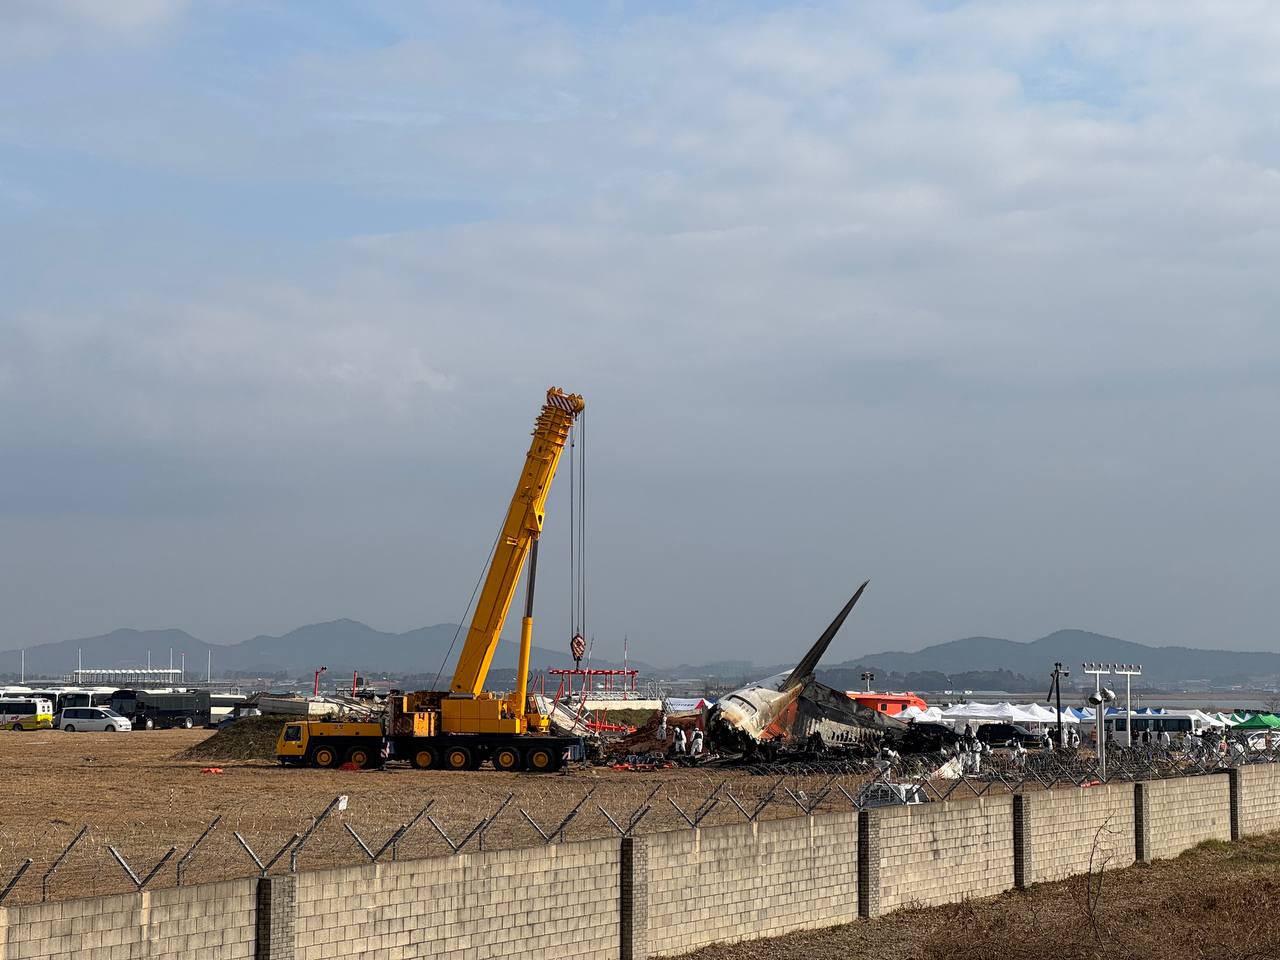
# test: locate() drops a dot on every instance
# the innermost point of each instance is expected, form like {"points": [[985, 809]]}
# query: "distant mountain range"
{"points": [[346, 645], [1034, 660], [340, 645]]}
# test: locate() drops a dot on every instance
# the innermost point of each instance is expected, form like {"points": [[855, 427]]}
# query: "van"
{"points": [[92, 719], [28, 713]]}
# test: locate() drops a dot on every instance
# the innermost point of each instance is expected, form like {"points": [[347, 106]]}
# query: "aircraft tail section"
{"points": [[804, 669]]}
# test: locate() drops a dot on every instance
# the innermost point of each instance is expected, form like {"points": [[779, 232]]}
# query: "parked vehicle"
{"points": [[92, 719], [26, 713], [147, 708], [1006, 734], [881, 793], [237, 713]]}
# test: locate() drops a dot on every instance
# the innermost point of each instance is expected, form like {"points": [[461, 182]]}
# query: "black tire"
{"points": [[16, 726], [362, 757], [110, 728], [540, 759], [69, 728], [323, 755], [186, 723], [507, 759], [425, 758], [458, 758]]}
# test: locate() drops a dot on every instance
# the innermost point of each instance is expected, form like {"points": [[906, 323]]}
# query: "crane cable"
{"points": [[578, 528], [474, 590]]}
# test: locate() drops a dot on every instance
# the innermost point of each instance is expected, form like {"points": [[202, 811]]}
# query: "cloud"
{"points": [[966, 297], [37, 28]]}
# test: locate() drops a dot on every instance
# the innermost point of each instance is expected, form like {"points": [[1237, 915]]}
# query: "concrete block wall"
{"points": [[1259, 798], [1063, 830], [934, 853], [213, 921], [657, 894], [1176, 815], [743, 881], [559, 901]]}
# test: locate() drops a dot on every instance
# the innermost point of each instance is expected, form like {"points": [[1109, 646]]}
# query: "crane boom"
{"points": [[520, 531], [469, 726]]}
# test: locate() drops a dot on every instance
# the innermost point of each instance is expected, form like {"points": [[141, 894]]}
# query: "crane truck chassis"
{"points": [[467, 725], [322, 743]]}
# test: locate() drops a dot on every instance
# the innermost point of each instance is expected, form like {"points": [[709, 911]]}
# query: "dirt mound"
{"points": [[249, 738]]}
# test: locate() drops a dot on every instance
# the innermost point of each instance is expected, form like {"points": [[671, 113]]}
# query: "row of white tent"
{"points": [[1029, 714]]}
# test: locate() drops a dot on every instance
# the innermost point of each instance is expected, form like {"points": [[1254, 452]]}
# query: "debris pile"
{"points": [[645, 739], [249, 738]]}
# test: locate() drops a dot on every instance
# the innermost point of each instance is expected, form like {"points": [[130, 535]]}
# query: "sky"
{"points": [[977, 300]]}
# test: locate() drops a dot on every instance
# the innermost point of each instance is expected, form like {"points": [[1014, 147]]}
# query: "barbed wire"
{"points": [[123, 853]]}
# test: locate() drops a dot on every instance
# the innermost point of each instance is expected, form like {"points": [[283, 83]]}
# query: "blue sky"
{"points": [[974, 299]]}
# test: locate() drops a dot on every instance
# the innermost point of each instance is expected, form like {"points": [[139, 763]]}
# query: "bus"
{"points": [[169, 708], [26, 713], [1178, 723]]}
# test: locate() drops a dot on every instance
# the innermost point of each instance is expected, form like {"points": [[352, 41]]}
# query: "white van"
{"points": [[92, 719]]}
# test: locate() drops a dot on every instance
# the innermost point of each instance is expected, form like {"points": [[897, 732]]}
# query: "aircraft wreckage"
{"points": [[758, 719]]}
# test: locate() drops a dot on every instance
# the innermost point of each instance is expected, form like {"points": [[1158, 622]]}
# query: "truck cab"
{"points": [[330, 743]]}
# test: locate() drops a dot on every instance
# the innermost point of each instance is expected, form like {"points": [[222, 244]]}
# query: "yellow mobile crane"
{"points": [[463, 727]]}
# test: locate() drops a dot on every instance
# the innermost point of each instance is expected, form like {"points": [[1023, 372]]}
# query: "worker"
{"points": [[696, 747], [680, 741], [662, 728], [1164, 739]]}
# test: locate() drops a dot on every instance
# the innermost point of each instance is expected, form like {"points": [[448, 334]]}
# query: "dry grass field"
{"points": [[1219, 901], [136, 793]]}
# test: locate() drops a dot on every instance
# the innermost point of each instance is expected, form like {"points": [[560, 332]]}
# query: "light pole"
{"points": [[1128, 671], [1100, 701], [867, 677], [1056, 689]]}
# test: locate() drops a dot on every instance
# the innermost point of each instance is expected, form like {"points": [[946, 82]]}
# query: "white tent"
{"points": [[1004, 713], [931, 715], [1045, 715]]}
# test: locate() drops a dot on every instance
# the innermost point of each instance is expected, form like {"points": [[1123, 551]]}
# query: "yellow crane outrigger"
{"points": [[467, 725]]}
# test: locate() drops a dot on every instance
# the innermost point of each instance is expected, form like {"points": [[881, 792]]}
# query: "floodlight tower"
{"points": [[1100, 701], [1098, 670], [1128, 671], [867, 678]]}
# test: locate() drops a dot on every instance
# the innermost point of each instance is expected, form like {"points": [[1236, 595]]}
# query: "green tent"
{"points": [[1260, 721]]}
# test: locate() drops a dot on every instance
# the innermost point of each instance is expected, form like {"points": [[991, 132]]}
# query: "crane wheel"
{"points": [[324, 756], [457, 758], [507, 758], [424, 758], [360, 757], [540, 759]]}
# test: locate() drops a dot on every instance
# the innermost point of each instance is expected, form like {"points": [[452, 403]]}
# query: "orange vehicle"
{"points": [[890, 704]]}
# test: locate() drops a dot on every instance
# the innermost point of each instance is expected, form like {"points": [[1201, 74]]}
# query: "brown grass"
{"points": [[1217, 902], [138, 792]]}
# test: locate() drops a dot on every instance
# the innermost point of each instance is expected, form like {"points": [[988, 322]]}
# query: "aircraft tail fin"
{"points": [[804, 669]]}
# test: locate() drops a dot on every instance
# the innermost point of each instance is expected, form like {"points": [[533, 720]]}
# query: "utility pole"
{"points": [[24, 665], [1056, 690], [1128, 671]]}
